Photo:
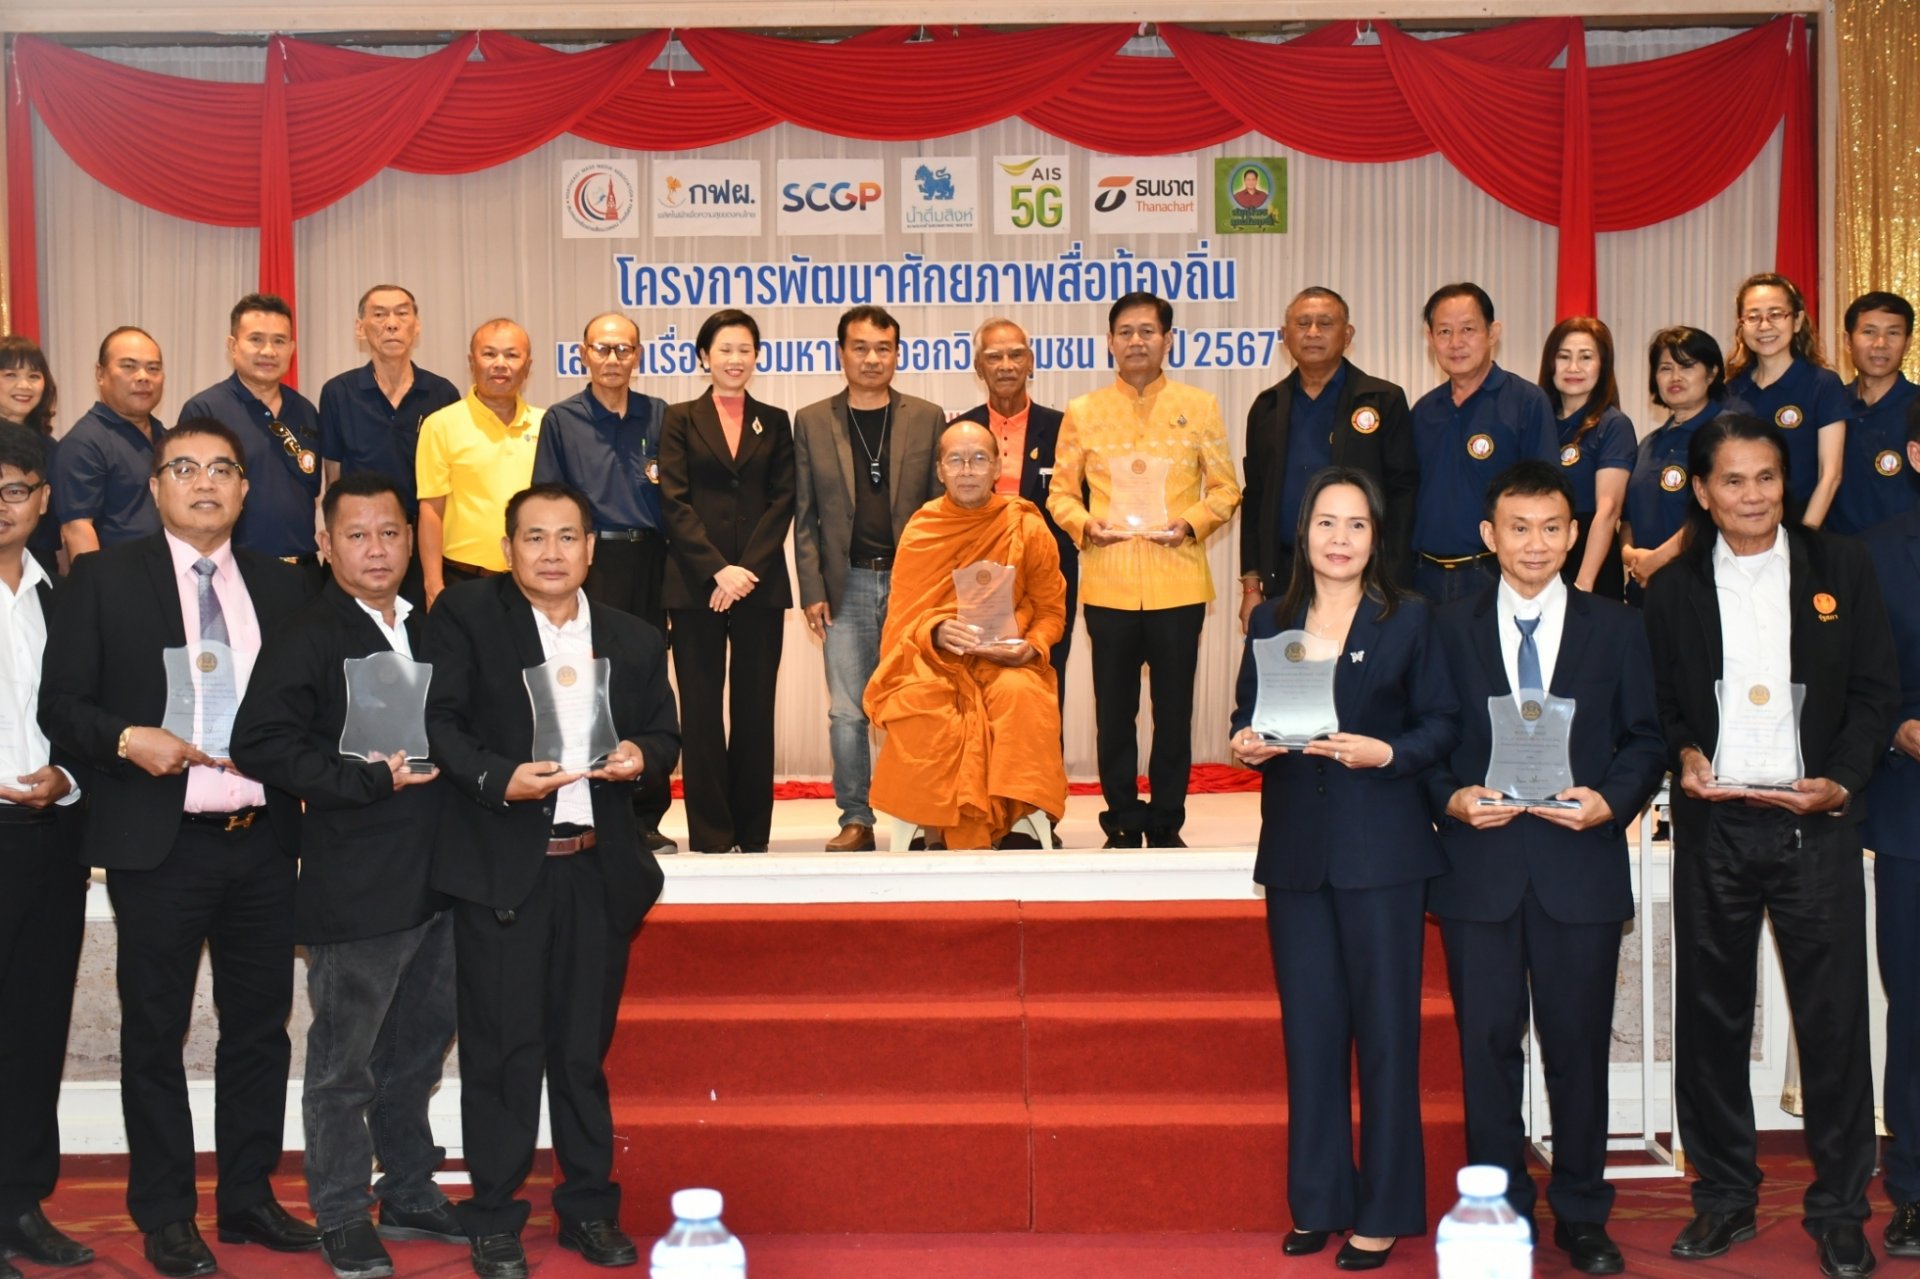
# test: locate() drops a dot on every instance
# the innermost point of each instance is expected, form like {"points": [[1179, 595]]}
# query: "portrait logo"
{"points": [[939, 193], [1250, 195], [1825, 604], [1673, 478], [1147, 193], [1570, 455], [1029, 194], [1887, 462], [1788, 417], [706, 197], [832, 197], [1480, 447], [597, 199], [1366, 420]]}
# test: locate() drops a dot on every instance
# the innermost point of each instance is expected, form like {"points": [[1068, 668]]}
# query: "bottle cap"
{"points": [[704, 1205], [1475, 1181]]}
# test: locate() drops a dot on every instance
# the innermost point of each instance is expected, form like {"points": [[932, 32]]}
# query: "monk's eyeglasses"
{"points": [[970, 462]]}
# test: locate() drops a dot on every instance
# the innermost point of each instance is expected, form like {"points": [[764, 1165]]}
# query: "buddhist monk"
{"points": [[972, 718]]}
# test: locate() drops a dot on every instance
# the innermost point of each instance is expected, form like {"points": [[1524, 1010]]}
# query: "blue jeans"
{"points": [[852, 652], [383, 1016]]}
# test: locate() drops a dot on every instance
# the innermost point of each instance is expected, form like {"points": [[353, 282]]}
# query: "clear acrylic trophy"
{"points": [[203, 695], [984, 594], [572, 715], [1759, 746], [1137, 494], [387, 709], [1530, 762], [1293, 703]]}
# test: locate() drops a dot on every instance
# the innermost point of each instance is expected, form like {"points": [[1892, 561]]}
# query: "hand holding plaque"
{"points": [[572, 712], [387, 709], [1137, 495], [1759, 745], [1530, 762], [1293, 702], [203, 695], [984, 594]]}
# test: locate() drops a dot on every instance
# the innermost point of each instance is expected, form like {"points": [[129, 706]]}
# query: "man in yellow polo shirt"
{"points": [[1154, 458], [472, 457]]}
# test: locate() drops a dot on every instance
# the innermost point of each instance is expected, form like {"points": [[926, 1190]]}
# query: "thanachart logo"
{"points": [[1150, 193], [834, 197], [598, 197], [706, 197], [1112, 192]]}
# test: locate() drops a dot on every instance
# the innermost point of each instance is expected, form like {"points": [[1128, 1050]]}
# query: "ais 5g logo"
{"points": [[1030, 194]]}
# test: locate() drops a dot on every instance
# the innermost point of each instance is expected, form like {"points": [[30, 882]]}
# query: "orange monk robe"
{"points": [[971, 746]]}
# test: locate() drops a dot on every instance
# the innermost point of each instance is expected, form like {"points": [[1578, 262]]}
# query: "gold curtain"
{"points": [[1878, 211]]}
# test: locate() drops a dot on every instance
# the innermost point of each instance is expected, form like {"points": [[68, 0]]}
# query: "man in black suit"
{"points": [[196, 852], [1761, 607], [1026, 432], [379, 943], [1535, 897], [547, 868], [1324, 413], [43, 884]]}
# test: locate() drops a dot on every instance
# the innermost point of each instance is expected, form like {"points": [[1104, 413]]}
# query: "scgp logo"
{"points": [[829, 197]]}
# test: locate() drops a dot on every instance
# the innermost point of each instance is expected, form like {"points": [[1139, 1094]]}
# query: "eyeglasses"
{"points": [[612, 350], [1754, 319], [184, 470], [14, 494], [969, 462]]}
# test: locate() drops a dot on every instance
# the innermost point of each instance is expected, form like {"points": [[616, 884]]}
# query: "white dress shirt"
{"points": [[1756, 612], [1550, 606], [22, 745], [572, 640], [397, 633]]}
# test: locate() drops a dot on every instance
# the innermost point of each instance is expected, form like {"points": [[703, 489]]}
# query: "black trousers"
{"points": [[1610, 582], [1569, 969], [1063, 650], [539, 997], [1741, 863], [1167, 642], [232, 893], [631, 576], [726, 764], [43, 896]]}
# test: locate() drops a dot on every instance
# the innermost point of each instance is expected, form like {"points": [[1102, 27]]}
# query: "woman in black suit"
{"points": [[726, 488], [1346, 849]]}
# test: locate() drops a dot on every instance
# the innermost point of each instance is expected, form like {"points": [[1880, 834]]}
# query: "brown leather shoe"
{"points": [[853, 838]]}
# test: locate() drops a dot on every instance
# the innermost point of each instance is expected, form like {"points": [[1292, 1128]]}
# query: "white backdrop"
{"points": [[490, 244]]}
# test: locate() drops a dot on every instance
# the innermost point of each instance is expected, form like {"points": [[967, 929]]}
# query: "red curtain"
{"points": [[1571, 146]]}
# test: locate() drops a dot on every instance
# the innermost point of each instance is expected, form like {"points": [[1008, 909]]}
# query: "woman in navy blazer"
{"points": [[1346, 849]]}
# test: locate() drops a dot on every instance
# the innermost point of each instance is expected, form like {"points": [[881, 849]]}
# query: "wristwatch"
{"points": [[125, 734]]}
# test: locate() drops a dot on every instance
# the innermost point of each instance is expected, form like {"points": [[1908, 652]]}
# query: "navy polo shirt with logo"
{"points": [[361, 430], [1610, 445], [1800, 401], [1463, 446], [614, 460], [1877, 483], [1658, 494], [1309, 446], [100, 473], [283, 465]]}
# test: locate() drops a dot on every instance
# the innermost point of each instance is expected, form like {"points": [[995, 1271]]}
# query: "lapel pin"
{"points": [[757, 428], [1358, 655], [1035, 455], [1181, 420]]}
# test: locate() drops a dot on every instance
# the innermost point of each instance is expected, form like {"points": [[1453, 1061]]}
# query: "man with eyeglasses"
{"points": [[197, 854], [964, 689], [278, 427], [370, 416], [104, 462], [605, 442], [1324, 413], [43, 884]]}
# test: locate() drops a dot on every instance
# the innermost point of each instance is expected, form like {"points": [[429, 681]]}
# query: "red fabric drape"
{"points": [[23, 272], [1572, 147]]}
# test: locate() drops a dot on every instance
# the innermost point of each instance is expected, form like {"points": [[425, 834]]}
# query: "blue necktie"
{"points": [[1529, 654]]}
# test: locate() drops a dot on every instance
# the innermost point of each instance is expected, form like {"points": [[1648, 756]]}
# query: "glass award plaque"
{"points": [[572, 716], [203, 695], [1759, 746], [1293, 703], [984, 593], [1137, 494], [387, 709], [1530, 762]]}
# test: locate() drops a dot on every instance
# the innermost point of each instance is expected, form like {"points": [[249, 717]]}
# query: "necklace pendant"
{"points": [[873, 473]]}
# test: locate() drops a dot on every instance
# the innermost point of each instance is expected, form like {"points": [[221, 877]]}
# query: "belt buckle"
{"points": [[239, 821]]}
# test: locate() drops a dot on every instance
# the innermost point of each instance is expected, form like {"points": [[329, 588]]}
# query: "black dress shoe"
{"points": [[354, 1251], [1019, 839], [1164, 837], [438, 1224], [658, 843], [270, 1226], [1588, 1248], [498, 1257], [1903, 1232], [1352, 1258], [1125, 839], [1844, 1253], [32, 1236], [177, 1251], [1711, 1233], [750, 848], [1301, 1243], [600, 1242]]}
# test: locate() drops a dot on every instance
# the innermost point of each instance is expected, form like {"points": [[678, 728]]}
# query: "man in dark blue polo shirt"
{"points": [[605, 441], [100, 493], [1876, 480], [1468, 429], [370, 416], [277, 426]]}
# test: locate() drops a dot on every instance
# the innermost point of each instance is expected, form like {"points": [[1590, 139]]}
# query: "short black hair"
{"points": [[202, 426], [1320, 291], [270, 303], [548, 489], [1464, 289], [359, 484], [23, 448], [1529, 477], [1880, 300], [1688, 346], [1127, 302], [1704, 448], [732, 317], [122, 331], [877, 316]]}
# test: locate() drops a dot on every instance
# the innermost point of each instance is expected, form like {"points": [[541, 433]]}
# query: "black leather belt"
{"points": [[1451, 562], [625, 534], [878, 564], [226, 823], [302, 561]]}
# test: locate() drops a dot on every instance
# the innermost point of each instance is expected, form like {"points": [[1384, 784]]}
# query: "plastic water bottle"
{"points": [[1483, 1237], [698, 1246]]}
